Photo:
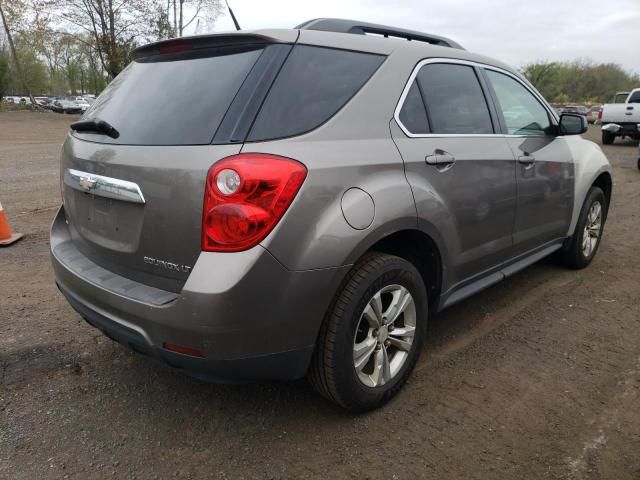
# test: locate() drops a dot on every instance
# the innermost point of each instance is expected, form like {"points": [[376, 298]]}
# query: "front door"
{"points": [[545, 168]]}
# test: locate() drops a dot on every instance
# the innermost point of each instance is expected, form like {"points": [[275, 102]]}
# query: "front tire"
{"points": [[373, 334], [588, 233], [608, 137]]}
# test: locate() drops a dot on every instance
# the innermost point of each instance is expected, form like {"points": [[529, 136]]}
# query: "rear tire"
{"points": [[373, 334], [608, 137], [588, 233]]}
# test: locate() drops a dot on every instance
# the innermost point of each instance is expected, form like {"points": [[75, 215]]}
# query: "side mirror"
{"points": [[573, 124]]}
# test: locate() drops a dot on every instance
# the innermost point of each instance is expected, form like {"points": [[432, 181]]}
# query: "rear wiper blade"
{"points": [[95, 125]]}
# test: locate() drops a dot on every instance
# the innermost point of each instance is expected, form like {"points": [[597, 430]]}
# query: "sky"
{"points": [[514, 31]]}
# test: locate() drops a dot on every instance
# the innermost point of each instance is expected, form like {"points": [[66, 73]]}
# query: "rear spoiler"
{"points": [[203, 42]]}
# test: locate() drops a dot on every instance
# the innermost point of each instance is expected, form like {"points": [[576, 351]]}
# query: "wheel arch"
{"points": [[605, 182], [422, 246], [421, 250]]}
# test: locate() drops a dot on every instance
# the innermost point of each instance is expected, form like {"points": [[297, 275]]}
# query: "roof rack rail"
{"points": [[340, 25]]}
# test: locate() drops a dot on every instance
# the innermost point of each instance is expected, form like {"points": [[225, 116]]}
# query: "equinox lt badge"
{"points": [[176, 267]]}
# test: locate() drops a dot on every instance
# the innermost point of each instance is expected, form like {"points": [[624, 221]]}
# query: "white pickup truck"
{"points": [[621, 119]]}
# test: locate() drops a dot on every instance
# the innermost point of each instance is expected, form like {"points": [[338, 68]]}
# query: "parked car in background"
{"points": [[621, 119], [594, 113], [294, 237], [65, 106], [83, 104], [17, 99], [43, 102], [579, 109]]}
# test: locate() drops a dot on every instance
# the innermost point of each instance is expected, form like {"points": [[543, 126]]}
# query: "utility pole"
{"points": [[12, 46]]}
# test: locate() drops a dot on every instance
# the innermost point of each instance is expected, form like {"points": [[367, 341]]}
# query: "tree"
{"points": [[579, 81], [5, 70], [34, 72], [117, 26], [114, 27], [185, 12], [7, 21], [162, 24]]}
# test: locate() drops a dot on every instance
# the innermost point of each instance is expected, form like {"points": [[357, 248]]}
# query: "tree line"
{"points": [[69, 47], [581, 81]]}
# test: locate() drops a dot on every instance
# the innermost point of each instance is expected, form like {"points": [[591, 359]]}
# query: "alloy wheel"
{"points": [[592, 228], [384, 335]]}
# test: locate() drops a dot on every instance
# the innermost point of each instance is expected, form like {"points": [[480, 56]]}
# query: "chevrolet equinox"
{"points": [[284, 203]]}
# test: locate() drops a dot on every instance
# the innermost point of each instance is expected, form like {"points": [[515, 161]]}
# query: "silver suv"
{"points": [[282, 203]]}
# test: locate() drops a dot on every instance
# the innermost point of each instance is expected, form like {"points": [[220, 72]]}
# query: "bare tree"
{"points": [[186, 12], [115, 26]]}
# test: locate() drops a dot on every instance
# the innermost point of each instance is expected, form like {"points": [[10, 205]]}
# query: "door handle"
{"points": [[431, 159], [526, 159], [440, 158], [445, 158]]}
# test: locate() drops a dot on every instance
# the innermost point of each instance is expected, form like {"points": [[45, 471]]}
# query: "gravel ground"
{"points": [[537, 377]]}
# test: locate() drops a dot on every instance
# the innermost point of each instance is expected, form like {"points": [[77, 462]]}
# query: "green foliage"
{"points": [[579, 81], [34, 71], [5, 74]]}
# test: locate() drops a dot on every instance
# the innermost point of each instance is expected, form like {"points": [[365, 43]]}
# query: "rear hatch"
{"points": [[133, 199]]}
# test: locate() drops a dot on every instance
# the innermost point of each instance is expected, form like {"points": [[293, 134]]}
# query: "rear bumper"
{"points": [[630, 129], [251, 317], [280, 366]]}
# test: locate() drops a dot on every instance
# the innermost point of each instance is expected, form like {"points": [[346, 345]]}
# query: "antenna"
{"points": [[233, 17]]}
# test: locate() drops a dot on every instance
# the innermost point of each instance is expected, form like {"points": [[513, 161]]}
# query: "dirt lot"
{"points": [[538, 377]]}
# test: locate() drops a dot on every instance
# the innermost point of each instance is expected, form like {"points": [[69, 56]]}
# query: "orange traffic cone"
{"points": [[6, 237]]}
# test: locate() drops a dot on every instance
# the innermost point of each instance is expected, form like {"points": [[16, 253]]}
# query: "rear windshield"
{"points": [[177, 102]]}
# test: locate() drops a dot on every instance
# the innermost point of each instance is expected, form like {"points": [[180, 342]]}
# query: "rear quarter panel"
{"points": [[353, 149]]}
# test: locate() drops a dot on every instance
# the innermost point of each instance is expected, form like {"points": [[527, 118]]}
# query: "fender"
{"points": [[590, 162]]}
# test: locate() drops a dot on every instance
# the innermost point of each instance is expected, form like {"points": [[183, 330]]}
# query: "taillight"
{"points": [[245, 197], [600, 115]]}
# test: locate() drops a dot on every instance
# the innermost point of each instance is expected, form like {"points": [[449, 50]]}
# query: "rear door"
{"points": [[545, 168], [454, 154], [134, 200]]}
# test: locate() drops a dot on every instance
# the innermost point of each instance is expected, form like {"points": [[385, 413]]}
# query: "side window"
{"points": [[454, 99], [522, 112], [314, 83], [635, 97], [413, 114]]}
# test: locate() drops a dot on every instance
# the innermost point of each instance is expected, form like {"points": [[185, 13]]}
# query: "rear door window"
{"points": [[314, 83], [454, 99], [175, 101]]}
